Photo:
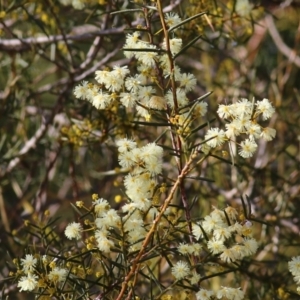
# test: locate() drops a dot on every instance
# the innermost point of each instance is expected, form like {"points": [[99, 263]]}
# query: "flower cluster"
{"points": [[146, 159], [107, 219], [227, 238], [243, 8], [144, 164], [222, 293], [73, 231], [241, 119], [150, 88], [29, 281], [31, 270], [77, 4], [223, 230], [294, 268], [80, 4]]}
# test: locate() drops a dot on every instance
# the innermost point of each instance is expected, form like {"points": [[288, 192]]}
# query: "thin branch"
{"points": [[95, 47], [80, 77], [172, 6], [282, 47], [135, 262], [3, 213], [32, 142], [26, 44], [61, 29]]}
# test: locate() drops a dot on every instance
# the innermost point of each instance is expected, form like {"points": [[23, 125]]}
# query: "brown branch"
{"points": [[32, 142], [282, 47], [42, 192], [26, 44], [135, 263], [3, 213], [80, 77], [95, 47], [61, 29]]}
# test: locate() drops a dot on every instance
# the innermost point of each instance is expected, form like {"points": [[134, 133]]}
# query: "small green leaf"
{"points": [[126, 11], [186, 21], [191, 43]]}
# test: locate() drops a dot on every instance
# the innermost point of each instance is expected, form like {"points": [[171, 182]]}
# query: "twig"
{"points": [[3, 213], [32, 142], [135, 263], [95, 46], [18, 45], [60, 27], [282, 47], [78, 78]]}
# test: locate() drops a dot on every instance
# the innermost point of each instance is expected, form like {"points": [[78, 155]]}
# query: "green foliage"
{"points": [[58, 146]]}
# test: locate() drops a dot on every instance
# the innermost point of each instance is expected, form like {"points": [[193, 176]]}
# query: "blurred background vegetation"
{"points": [[56, 150]]}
